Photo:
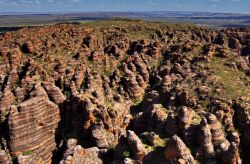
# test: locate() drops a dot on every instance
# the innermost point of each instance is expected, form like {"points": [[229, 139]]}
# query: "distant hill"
{"points": [[215, 20]]}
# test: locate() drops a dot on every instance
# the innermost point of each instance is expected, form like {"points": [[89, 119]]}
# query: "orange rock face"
{"points": [[176, 149], [33, 125]]}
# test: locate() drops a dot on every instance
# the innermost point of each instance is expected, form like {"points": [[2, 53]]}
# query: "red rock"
{"points": [[136, 145], [54, 93], [28, 47], [15, 57], [176, 149], [4, 52], [205, 140], [185, 118], [6, 99], [231, 156], [37, 116], [60, 68], [98, 137], [83, 156], [32, 158], [4, 158], [90, 41], [218, 136], [171, 125], [241, 106], [20, 94]]}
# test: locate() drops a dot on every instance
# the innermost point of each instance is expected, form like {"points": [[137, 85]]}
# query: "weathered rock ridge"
{"points": [[124, 91]]}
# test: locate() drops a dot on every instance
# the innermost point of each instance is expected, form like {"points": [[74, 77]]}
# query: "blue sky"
{"points": [[234, 6]]}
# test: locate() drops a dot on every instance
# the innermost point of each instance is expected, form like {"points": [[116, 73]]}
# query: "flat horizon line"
{"points": [[82, 12]]}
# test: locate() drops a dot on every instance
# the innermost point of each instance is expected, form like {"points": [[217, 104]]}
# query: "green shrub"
{"points": [[28, 152], [126, 154]]}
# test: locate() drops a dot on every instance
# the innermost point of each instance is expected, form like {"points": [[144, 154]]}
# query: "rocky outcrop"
{"points": [[60, 68], [218, 136], [121, 89], [12, 78], [205, 140], [90, 41], [171, 126], [79, 76], [177, 150], [31, 158], [224, 114], [28, 47], [84, 156], [184, 98], [20, 94], [38, 90], [133, 88], [6, 99], [4, 157], [242, 118], [54, 93], [185, 118], [98, 137], [4, 52], [231, 155], [136, 145], [15, 57], [32, 126]]}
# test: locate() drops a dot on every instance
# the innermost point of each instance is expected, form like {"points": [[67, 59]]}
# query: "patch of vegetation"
{"points": [[67, 93], [28, 152], [233, 86], [161, 142], [112, 147], [137, 29], [204, 103], [126, 154]]}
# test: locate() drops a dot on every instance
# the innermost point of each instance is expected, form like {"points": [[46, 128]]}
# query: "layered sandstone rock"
{"points": [[6, 99], [218, 136], [4, 51], [136, 145], [242, 107], [185, 127], [20, 94], [60, 68], [205, 140], [54, 93], [177, 150], [90, 41], [15, 57], [32, 126], [125, 93], [98, 137]]}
